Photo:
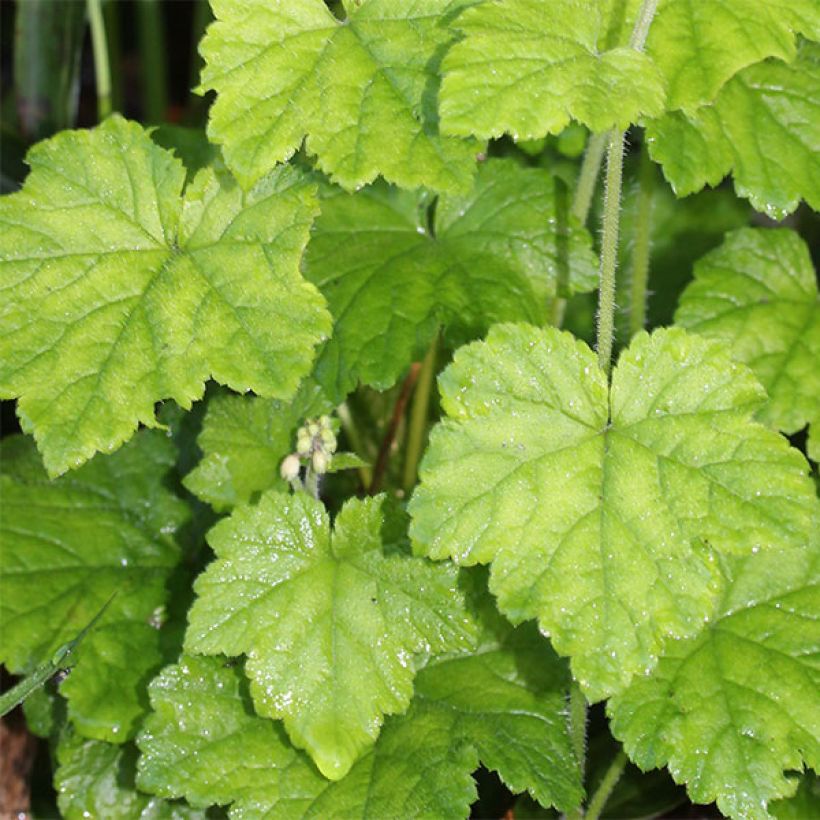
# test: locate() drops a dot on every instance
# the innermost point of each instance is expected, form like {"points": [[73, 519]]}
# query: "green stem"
{"points": [[578, 735], [355, 441], [102, 70], [418, 417], [609, 248], [641, 246], [152, 60], [605, 787], [590, 168], [612, 211]]}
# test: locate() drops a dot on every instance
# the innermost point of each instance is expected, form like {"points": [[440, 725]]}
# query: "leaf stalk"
{"points": [[102, 69]]}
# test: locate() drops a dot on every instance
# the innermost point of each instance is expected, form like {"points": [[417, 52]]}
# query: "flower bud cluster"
{"points": [[315, 444]]}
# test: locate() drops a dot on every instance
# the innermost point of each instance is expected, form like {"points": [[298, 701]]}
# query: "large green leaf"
{"points": [[503, 706], [732, 709], [120, 290], [244, 439], [526, 68], [602, 511], [764, 128], [362, 91], [496, 253], [67, 546], [700, 46], [757, 293], [96, 780], [330, 625]]}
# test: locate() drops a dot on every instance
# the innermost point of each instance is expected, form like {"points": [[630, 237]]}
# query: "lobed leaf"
{"points": [[330, 625], [95, 779], [602, 511], [499, 252], [204, 742], [120, 289], [67, 546], [764, 128], [526, 68], [732, 709], [757, 293], [362, 91]]}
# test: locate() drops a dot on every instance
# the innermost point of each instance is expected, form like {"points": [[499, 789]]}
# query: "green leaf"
{"points": [[345, 461], [732, 709], [496, 253], [362, 91], [763, 128], [67, 546], [526, 68], [700, 46], [331, 626], [121, 290], [597, 508], [96, 780], [204, 742], [804, 803], [757, 293], [244, 439]]}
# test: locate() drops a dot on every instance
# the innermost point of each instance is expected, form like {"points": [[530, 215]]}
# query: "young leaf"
{"points": [[244, 439], [763, 128], [329, 624], [493, 254], [362, 91], [699, 46], [68, 546], [121, 290], [757, 293], [503, 706], [732, 709], [96, 779], [526, 68], [597, 508]]}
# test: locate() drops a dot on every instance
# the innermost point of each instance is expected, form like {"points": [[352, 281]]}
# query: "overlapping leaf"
{"points": [[734, 708], [526, 68], [120, 290], [96, 779], [758, 294], [244, 439], [601, 510], [330, 625], [496, 253], [699, 46], [764, 128], [204, 742], [67, 546], [363, 90]]}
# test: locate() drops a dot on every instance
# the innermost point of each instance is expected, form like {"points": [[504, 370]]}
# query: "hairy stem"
{"points": [[588, 176], [605, 787], [578, 735], [102, 70], [418, 417], [641, 247], [612, 211], [609, 248]]}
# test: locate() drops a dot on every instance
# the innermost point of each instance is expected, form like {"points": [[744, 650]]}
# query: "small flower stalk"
{"points": [[315, 445]]}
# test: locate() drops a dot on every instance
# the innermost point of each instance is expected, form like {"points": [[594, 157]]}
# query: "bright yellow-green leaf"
{"points": [[733, 709], [764, 128], [757, 293], [330, 625], [121, 289], [362, 91], [602, 511]]}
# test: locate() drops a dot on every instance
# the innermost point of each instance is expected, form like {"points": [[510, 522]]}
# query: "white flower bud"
{"points": [[320, 461], [313, 429], [328, 440], [289, 470]]}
